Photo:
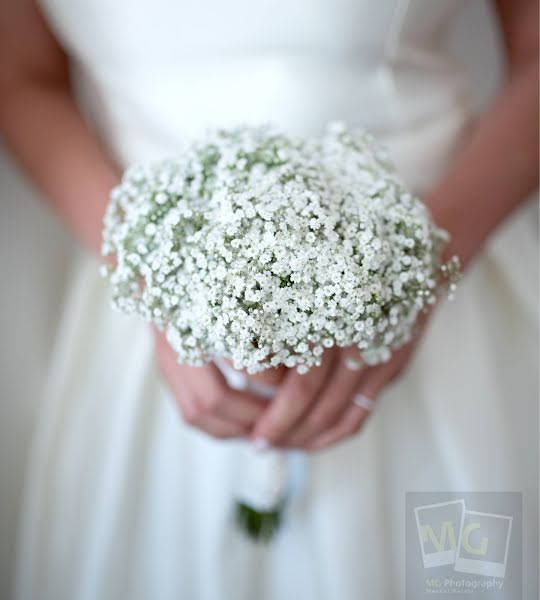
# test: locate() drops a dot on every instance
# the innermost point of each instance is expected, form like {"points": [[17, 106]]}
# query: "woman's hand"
{"points": [[203, 397], [317, 410], [485, 183]]}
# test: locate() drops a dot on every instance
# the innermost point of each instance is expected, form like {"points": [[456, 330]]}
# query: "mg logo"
{"points": [[462, 551], [471, 541]]}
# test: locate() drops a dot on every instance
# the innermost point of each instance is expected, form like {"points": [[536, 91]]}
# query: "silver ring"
{"points": [[364, 402]]}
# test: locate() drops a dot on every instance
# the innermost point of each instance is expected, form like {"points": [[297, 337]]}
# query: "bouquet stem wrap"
{"points": [[264, 476]]}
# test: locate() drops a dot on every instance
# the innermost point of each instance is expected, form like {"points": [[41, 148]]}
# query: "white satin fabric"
{"points": [[124, 500]]}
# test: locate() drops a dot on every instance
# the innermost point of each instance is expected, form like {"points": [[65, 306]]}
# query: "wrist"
{"points": [[463, 230]]}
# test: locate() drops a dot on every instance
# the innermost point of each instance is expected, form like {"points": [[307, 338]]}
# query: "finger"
{"points": [[333, 401], [212, 425], [360, 404], [371, 384], [236, 407], [348, 425], [208, 385], [352, 359], [215, 398], [296, 394]]}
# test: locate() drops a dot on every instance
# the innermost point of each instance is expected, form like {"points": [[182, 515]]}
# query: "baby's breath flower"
{"points": [[265, 249]]}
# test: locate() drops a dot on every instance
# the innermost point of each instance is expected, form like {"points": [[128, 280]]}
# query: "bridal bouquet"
{"points": [[262, 250]]}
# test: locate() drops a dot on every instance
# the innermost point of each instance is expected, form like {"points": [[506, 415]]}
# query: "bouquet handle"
{"points": [[264, 476]]}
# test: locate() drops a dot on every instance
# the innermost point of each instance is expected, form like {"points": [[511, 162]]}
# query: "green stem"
{"points": [[260, 526]]}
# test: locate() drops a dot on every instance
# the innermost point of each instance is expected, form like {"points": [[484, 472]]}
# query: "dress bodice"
{"points": [[155, 73]]}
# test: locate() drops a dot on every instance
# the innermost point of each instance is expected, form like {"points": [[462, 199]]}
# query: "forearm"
{"points": [[495, 171], [43, 127]]}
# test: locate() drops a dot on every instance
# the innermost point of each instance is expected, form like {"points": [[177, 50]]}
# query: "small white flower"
{"points": [[267, 250]]}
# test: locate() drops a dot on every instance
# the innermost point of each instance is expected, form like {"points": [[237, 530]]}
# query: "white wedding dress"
{"points": [[123, 500]]}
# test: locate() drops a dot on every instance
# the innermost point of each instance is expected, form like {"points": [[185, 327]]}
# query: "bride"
{"points": [[126, 499]]}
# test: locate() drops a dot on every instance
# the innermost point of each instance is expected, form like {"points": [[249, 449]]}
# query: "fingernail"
{"points": [[260, 444], [364, 402]]}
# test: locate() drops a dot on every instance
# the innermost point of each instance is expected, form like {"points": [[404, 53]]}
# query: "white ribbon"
{"points": [[264, 475]]}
